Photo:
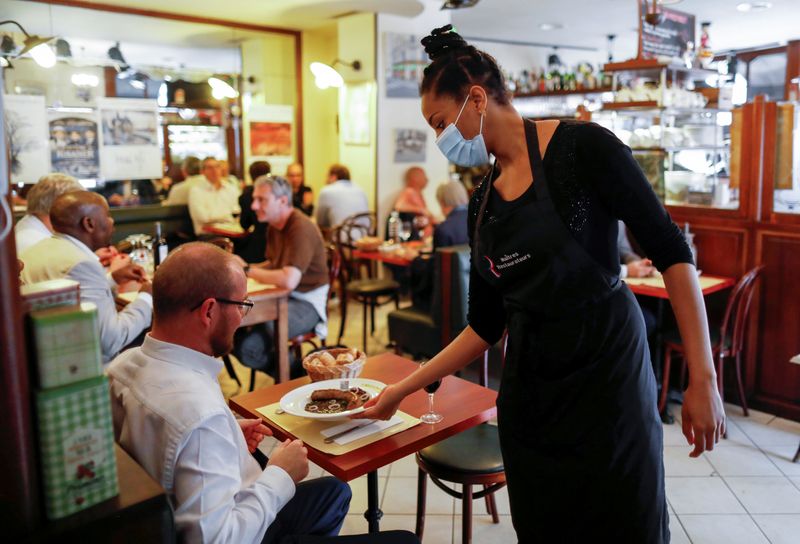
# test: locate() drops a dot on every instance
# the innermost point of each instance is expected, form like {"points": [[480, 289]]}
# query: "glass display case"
{"points": [[685, 152], [786, 168]]}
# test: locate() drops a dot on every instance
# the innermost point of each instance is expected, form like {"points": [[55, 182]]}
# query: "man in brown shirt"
{"points": [[296, 260]]}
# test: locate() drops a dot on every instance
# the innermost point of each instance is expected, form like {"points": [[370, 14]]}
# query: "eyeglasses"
{"points": [[244, 305]]}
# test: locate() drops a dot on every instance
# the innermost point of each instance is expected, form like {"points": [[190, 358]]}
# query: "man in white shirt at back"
{"points": [[213, 200], [179, 194], [170, 415], [340, 199], [35, 225]]}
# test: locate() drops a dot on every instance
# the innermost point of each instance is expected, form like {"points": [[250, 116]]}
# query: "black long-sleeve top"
{"points": [[594, 181]]}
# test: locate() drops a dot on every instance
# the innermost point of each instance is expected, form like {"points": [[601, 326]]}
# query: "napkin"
{"points": [[366, 430], [253, 286]]}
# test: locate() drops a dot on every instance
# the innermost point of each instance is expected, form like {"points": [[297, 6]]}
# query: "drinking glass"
{"points": [[420, 224], [404, 231], [431, 416]]}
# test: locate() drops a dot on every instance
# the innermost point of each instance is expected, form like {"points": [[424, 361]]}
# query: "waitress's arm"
{"points": [[464, 349], [703, 416]]}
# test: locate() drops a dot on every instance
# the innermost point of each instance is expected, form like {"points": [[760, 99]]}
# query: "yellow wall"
{"points": [[320, 108], [357, 42]]}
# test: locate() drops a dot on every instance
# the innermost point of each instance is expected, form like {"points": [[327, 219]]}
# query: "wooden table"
{"points": [[272, 304], [654, 287], [462, 403], [407, 253], [229, 230]]}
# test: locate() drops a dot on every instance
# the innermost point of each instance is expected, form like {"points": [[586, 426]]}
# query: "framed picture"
{"points": [[357, 113]]}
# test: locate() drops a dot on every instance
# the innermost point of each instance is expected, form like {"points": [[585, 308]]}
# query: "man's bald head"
{"points": [[191, 274], [84, 215]]}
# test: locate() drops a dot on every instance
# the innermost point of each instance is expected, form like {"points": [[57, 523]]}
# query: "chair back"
{"points": [[450, 291], [737, 311], [344, 238]]}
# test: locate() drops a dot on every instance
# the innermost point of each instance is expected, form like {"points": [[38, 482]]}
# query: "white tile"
{"points": [[677, 534], [735, 412], [736, 437], [722, 529], [358, 504], [766, 495], [678, 463], [782, 457], [673, 435], [438, 529], [795, 481], [405, 467], [701, 496], [314, 471], [484, 531], [780, 528], [401, 498], [783, 433], [354, 524], [501, 500], [741, 461]]}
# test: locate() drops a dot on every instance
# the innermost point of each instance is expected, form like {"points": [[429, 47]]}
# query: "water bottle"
{"points": [[160, 248], [393, 228]]}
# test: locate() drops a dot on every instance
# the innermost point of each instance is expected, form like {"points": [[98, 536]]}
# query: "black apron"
{"points": [[579, 428]]}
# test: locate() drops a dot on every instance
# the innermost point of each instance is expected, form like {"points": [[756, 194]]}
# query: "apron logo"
{"points": [[492, 268]]}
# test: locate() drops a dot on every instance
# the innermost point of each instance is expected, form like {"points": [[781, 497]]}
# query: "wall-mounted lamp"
{"points": [[325, 75], [36, 46], [221, 89]]}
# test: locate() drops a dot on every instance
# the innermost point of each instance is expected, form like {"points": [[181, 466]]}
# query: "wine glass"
{"points": [[431, 416], [404, 231], [420, 224]]}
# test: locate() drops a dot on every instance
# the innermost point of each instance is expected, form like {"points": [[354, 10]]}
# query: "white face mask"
{"points": [[459, 150]]}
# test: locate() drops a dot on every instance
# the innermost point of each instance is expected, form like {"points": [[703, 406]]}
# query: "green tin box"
{"points": [[67, 342], [76, 441]]}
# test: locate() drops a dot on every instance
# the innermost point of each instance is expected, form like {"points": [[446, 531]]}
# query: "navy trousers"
{"points": [[318, 508]]}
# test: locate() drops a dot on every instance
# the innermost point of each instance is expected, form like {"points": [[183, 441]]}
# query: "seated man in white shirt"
{"points": [[35, 225], [339, 199], [82, 225], [214, 200], [179, 193], [170, 415]]}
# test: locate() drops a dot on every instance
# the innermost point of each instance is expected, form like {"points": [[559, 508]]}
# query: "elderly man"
{"points": [[339, 199], [296, 260], [82, 225], [214, 200], [35, 226], [453, 200], [170, 415], [179, 194]]}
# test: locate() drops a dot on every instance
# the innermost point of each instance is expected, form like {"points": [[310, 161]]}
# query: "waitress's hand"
{"points": [[383, 406], [703, 416]]}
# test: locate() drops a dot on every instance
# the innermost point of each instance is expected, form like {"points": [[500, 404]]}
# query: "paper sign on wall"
{"points": [[26, 130], [129, 139]]}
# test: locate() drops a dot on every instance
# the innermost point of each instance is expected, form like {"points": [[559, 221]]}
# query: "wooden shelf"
{"points": [[653, 65], [673, 149], [645, 104], [598, 90]]}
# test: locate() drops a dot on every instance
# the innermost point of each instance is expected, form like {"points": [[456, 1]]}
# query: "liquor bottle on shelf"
{"points": [[160, 248], [704, 53], [542, 81]]}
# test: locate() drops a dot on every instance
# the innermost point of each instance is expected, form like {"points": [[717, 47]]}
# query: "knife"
{"points": [[366, 422]]}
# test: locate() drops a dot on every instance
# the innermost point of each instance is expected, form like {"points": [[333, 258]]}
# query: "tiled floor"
{"points": [[745, 491]]}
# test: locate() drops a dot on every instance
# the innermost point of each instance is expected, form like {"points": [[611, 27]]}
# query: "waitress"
{"points": [[579, 430]]}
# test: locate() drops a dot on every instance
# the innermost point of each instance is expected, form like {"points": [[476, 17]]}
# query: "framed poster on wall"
{"points": [[667, 39], [269, 136], [356, 117], [26, 131], [74, 144], [129, 147]]}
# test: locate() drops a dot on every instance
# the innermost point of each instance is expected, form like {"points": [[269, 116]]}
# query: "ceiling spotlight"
{"points": [[458, 4], [139, 81], [550, 26], [221, 89], [8, 46], [753, 6], [325, 75], [63, 49], [5, 63], [115, 54], [35, 45]]}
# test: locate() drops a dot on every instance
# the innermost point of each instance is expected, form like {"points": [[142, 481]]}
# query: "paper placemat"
{"points": [[310, 430], [705, 282], [253, 286], [128, 297]]}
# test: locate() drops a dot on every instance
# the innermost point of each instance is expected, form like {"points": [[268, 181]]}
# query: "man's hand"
{"points": [[254, 432], [146, 287], [129, 272], [640, 269], [291, 456], [106, 255]]}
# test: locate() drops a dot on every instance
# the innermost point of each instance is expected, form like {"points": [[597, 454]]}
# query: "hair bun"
{"points": [[442, 41]]}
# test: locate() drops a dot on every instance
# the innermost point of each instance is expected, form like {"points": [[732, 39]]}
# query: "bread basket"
{"points": [[334, 363], [368, 243]]}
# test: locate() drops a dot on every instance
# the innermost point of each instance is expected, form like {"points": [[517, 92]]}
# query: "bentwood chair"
{"points": [[470, 458], [727, 340], [356, 281]]}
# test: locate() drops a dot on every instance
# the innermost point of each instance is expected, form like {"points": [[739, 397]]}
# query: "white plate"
{"points": [[294, 402]]}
